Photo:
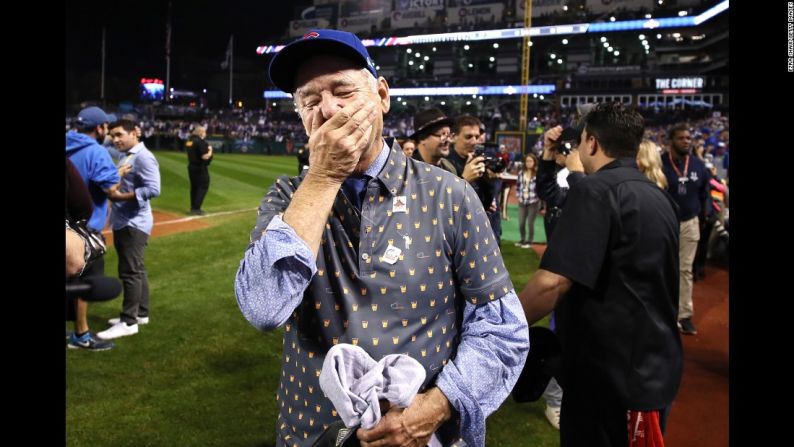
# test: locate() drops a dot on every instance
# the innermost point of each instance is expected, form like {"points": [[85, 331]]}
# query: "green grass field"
{"points": [[199, 374]]}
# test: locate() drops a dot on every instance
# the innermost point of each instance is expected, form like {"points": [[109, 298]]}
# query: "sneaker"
{"points": [[519, 244], [90, 343], [120, 329], [526, 245], [141, 320], [553, 415], [686, 327], [197, 212]]}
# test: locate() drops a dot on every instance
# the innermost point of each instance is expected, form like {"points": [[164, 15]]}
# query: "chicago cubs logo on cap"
{"points": [[311, 34]]}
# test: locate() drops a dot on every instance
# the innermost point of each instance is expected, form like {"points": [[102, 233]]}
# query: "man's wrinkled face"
{"points": [[326, 84]]}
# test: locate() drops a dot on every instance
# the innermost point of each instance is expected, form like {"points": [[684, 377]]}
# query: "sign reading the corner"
{"points": [[693, 82]]}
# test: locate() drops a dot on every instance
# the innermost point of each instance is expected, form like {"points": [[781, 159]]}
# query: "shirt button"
{"points": [[365, 256]]}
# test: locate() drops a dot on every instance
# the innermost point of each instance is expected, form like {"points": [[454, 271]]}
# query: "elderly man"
{"points": [[402, 264]]}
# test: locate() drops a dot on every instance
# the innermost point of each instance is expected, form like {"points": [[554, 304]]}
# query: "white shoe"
{"points": [[553, 415], [118, 330], [141, 320]]}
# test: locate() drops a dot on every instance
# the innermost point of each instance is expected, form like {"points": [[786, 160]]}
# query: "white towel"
{"points": [[355, 382]]}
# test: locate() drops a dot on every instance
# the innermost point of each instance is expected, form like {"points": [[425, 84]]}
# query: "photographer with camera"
{"points": [[476, 167]]}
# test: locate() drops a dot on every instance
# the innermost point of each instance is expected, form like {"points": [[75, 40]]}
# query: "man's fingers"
{"points": [[359, 121], [342, 117]]}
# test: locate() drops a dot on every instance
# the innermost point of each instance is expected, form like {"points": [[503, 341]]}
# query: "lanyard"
{"points": [[675, 168]]}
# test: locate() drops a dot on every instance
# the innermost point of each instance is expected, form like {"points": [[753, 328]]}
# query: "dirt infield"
{"points": [[699, 416], [166, 223]]}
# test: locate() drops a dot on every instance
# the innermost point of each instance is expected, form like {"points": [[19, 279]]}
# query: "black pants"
{"points": [[199, 185], [699, 266], [130, 244]]}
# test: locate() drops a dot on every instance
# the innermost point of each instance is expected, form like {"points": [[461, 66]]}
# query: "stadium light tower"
{"points": [[525, 53]]}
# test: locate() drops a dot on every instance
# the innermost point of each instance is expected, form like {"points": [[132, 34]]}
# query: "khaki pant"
{"points": [[689, 234]]}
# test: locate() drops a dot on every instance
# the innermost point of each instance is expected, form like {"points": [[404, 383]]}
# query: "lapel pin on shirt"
{"points": [[392, 254], [398, 204]]}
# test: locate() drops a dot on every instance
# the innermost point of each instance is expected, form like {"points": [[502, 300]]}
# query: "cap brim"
{"points": [[440, 123], [286, 62]]}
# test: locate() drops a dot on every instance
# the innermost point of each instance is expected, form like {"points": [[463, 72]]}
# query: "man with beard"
{"points": [[688, 184], [433, 136]]}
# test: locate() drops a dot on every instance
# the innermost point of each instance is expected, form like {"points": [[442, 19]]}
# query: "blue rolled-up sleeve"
{"points": [[273, 274], [492, 352]]}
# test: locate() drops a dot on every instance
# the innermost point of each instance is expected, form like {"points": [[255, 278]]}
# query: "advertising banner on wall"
{"points": [[298, 28], [540, 7], [411, 17], [359, 23], [601, 6], [489, 12], [407, 5]]}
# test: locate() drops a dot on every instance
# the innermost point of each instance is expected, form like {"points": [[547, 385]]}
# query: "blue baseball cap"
{"points": [[317, 41], [91, 117]]}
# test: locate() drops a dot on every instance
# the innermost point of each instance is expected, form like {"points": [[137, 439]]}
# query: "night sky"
{"points": [[135, 45]]}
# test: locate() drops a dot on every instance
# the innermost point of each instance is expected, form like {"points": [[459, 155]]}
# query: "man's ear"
{"points": [[383, 93], [594, 149]]}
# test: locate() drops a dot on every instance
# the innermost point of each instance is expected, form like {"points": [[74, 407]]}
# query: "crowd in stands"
{"points": [[710, 133]]}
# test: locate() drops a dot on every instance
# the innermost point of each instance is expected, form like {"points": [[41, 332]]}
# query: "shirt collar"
{"points": [[135, 149], [379, 162], [626, 162], [395, 166]]}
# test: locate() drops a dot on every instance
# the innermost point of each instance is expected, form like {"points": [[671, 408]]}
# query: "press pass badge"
{"points": [[391, 255], [398, 204], [682, 185]]}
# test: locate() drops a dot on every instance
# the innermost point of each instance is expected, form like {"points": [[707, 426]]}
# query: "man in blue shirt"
{"points": [[404, 263], [102, 178], [132, 223]]}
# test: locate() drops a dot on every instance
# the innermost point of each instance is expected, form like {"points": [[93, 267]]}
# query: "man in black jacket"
{"points": [[610, 273], [199, 155]]}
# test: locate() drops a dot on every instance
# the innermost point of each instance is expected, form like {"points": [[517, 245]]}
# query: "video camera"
{"points": [[489, 152]]}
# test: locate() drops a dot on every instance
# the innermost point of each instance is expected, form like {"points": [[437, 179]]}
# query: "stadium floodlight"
{"points": [[465, 47], [682, 13], [559, 61], [603, 39], [434, 49], [617, 53], [422, 67], [468, 103], [427, 58], [410, 62], [612, 19], [409, 51], [492, 59], [565, 41], [443, 103], [642, 36]]}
